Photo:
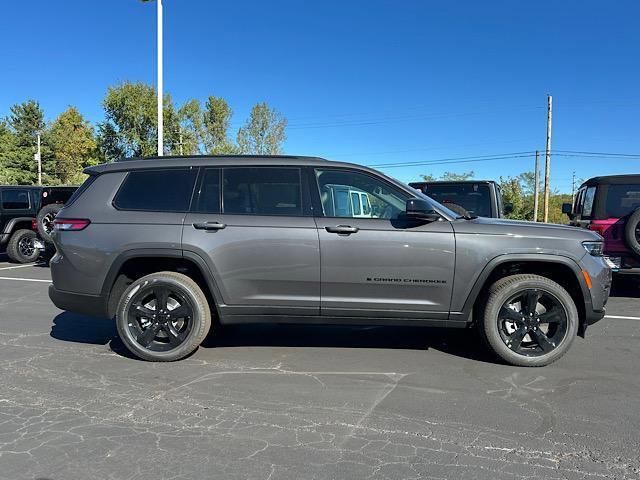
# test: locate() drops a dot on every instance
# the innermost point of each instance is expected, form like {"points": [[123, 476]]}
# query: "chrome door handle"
{"points": [[209, 226], [342, 229]]}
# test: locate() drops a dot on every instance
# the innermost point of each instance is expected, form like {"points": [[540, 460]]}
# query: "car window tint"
{"points": [[587, 206], [339, 191], [473, 198], [167, 190], [622, 200], [262, 191], [208, 198], [15, 199]]}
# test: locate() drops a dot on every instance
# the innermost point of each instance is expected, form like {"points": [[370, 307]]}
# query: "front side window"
{"points": [[167, 190], [262, 191], [15, 199], [587, 206], [351, 194]]}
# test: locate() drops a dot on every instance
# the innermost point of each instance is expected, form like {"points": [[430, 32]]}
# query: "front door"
{"points": [[254, 228], [385, 265]]}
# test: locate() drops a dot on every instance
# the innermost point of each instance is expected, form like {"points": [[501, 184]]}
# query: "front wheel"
{"points": [[529, 320], [21, 248], [163, 317]]}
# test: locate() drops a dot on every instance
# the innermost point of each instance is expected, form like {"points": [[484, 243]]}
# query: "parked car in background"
{"points": [[167, 244], [26, 219], [474, 198], [610, 206]]}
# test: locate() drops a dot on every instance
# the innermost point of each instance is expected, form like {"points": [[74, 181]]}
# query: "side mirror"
{"points": [[567, 209], [421, 209], [508, 208]]}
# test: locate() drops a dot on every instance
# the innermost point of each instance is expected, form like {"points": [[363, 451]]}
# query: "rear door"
{"points": [[253, 226], [385, 265]]}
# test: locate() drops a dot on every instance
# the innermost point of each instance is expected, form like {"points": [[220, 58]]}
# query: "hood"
{"points": [[501, 226]]}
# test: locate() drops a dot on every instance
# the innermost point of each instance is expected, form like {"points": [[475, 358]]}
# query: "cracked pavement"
{"points": [[276, 402]]}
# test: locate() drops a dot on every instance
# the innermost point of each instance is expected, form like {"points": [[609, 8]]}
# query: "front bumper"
{"points": [[93, 305]]}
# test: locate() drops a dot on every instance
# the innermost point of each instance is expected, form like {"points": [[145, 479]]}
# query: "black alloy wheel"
{"points": [[160, 317], [532, 322]]}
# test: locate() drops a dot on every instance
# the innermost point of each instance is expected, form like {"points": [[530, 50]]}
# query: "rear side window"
{"points": [[15, 199], [262, 191], [208, 198], [622, 200], [167, 190]]}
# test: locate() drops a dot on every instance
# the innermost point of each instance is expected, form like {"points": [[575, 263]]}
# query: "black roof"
{"points": [[173, 161], [613, 179]]}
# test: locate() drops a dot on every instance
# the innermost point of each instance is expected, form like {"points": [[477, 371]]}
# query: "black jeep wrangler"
{"points": [[26, 219]]}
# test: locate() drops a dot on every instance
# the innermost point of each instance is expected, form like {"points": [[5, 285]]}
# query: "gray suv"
{"points": [[168, 244]]}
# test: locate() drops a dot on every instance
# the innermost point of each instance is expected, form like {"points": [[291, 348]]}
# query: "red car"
{"points": [[611, 206]]}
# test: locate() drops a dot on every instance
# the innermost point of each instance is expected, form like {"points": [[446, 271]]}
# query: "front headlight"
{"points": [[594, 248]]}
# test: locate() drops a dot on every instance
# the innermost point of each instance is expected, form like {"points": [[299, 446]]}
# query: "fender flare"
{"points": [[196, 259], [467, 309], [9, 226]]}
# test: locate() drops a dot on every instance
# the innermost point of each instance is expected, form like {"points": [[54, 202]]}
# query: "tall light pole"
{"points": [[160, 104]]}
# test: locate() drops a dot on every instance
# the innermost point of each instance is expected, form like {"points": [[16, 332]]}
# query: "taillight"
{"points": [[34, 224], [70, 224]]}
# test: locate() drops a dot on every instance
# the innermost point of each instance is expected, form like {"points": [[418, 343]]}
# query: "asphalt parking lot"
{"points": [[309, 402]]}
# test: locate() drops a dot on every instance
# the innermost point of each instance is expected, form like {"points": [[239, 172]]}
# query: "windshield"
{"points": [[474, 199], [621, 200]]}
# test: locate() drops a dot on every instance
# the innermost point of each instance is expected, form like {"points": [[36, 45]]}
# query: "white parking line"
{"points": [[18, 266], [618, 317], [25, 279]]}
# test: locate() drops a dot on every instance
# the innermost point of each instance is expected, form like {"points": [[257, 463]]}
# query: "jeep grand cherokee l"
{"points": [[165, 245]]}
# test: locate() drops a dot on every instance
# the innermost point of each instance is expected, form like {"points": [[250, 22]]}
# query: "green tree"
{"points": [[191, 133], [458, 177], [73, 146], [24, 123], [449, 176], [512, 192], [7, 150], [130, 128], [217, 115], [264, 132]]}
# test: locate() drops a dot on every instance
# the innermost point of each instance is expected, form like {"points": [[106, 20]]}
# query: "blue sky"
{"points": [[367, 81]]}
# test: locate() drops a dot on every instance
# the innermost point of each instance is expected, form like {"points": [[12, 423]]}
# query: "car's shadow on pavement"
{"points": [[72, 327], [458, 342]]}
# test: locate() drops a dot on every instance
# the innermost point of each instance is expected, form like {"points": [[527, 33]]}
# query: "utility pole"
{"points": [[536, 187], [547, 163], [38, 159], [180, 137], [160, 105], [573, 187]]}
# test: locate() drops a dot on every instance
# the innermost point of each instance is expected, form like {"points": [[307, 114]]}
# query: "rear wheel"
{"points": [[163, 317], [20, 248], [529, 320]]}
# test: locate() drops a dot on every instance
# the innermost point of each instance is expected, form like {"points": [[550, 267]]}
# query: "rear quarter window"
{"points": [[161, 190], [621, 200]]}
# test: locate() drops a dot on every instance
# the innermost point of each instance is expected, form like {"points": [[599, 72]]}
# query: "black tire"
{"points": [[631, 232], [139, 323], [20, 248], [535, 347], [45, 218]]}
